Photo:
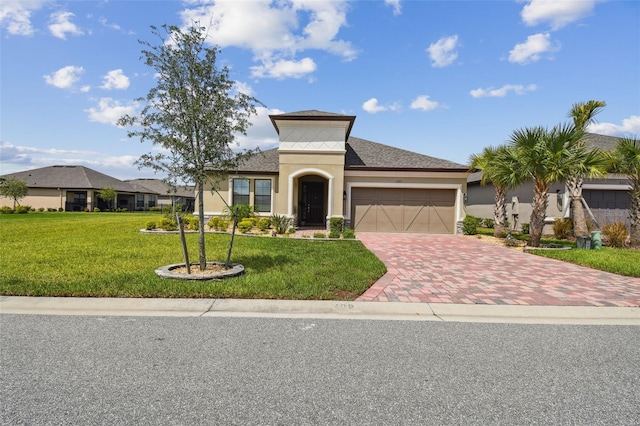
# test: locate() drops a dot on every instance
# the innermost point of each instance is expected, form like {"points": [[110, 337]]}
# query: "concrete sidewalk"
{"points": [[320, 310]]}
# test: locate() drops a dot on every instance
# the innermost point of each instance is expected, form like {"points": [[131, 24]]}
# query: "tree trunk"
{"points": [[203, 256], [538, 213], [634, 214], [499, 212], [574, 186]]}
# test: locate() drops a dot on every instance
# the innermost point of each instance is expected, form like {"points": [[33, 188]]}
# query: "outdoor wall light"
{"points": [[344, 195]]}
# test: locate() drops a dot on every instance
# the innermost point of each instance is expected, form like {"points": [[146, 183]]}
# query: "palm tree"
{"points": [[497, 165], [545, 156], [583, 114], [626, 160]]}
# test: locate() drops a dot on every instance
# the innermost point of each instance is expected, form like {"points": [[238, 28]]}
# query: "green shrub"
{"points": [[336, 224], [6, 210], [470, 225], [150, 225], [525, 228], [87, 209], [562, 228], [348, 233], [319, 235], [487, 223], [334, 233], [245, 225], [214, 222], [281, 223], [154, 209], [167, 224], [96, 210], [60, 209], [40, 209], [263, 223], [242, 211], [615, 233], [22, 209], [194, 224]]}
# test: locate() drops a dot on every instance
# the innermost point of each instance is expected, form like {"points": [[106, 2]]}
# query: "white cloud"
{"points": [[65, 77], [109, 111], [629, 125], [532, 49], [15, 16], [61, 25], [115, 79], [371, 106], [395, 4], [284, 69], [557, 12], [442, 52], [276, 31], [261, 134], [424, 103], [503, 91]]}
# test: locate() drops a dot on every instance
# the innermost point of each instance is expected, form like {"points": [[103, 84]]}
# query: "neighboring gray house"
{"points": [[75, 188], [167, 196], [607, 198]]}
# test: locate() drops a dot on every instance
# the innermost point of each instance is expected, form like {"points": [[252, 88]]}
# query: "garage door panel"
{"points": [[403, 210]]}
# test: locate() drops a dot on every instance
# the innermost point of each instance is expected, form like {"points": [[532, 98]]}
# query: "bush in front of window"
{"points": [[194, 224], [242, 211], [245, 225], [263, 223]]}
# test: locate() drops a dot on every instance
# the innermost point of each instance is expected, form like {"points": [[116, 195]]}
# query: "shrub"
{"points": [[319, 235], [60, 209], [487, 223], [6, 210], [167, 224], [194, 224], [336, 224], [242, 211], [615, 233], [22, 209], [562, 228], [348, 233], [263, 223], [154, 209], [334, 233], [96, 210], [40, 209], [525, 228], [281, 223], [150, 225], [245, 225], [470, 225], [214, 222], [87, 209]]}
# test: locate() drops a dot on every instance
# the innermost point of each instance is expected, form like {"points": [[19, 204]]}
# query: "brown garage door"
{"points": [[430, 211]]}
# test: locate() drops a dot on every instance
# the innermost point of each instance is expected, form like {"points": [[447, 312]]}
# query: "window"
{"points": [[140, 201], [240, 191], [152, 201], [262, 196]]}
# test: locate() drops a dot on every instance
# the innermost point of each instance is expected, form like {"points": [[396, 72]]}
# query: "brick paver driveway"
{"points": [[458, 269]]}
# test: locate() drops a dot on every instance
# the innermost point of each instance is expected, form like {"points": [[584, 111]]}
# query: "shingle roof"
{"points": [[75, 177], [362, 154], [160, 187], [605, 143]]}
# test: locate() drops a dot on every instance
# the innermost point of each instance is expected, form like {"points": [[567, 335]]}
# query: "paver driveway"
{"points": [[458, 269]]}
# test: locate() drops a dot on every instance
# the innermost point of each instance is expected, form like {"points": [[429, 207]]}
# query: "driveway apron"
{"points": [[460, 269]]}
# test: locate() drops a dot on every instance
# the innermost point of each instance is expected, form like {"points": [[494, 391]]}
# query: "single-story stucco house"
{"points": [[75, 188], [607, 198], [168, 196], [319, 171]]}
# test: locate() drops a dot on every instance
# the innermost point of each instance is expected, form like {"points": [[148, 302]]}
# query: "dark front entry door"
{"points": [[312, 203]]}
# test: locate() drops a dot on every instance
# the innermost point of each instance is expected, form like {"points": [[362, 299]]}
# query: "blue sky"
{"points": [[441, 78]]}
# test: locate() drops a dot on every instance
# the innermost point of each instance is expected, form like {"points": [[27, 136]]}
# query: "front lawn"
{"points": [[105, 254]]}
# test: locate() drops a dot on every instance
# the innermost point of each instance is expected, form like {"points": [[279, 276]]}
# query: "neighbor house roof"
{"points": [[71, 177], [362, 155], [159, 186]]}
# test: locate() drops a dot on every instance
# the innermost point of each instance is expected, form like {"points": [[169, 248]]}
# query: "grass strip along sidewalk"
{"points": [[106, 255]]}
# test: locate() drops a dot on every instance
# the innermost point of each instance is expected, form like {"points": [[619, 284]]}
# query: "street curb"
{"points": [[323, 309]]}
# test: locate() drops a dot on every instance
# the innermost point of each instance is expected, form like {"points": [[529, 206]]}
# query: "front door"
{"points": [[312, 204]]}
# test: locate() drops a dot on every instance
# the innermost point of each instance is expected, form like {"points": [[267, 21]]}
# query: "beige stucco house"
{"points": [[319, 171]]}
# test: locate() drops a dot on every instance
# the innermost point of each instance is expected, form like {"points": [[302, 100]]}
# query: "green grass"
{"points": [[105, 254], [615, 260]]}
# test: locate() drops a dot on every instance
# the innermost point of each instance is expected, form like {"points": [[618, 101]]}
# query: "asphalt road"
{"points": [[91, 370]]}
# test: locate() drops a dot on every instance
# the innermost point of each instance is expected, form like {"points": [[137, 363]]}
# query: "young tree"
{"points": [[583, 114], [14, 188], [498, 167], [108, 194], [192, 113], [626, 160]]}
